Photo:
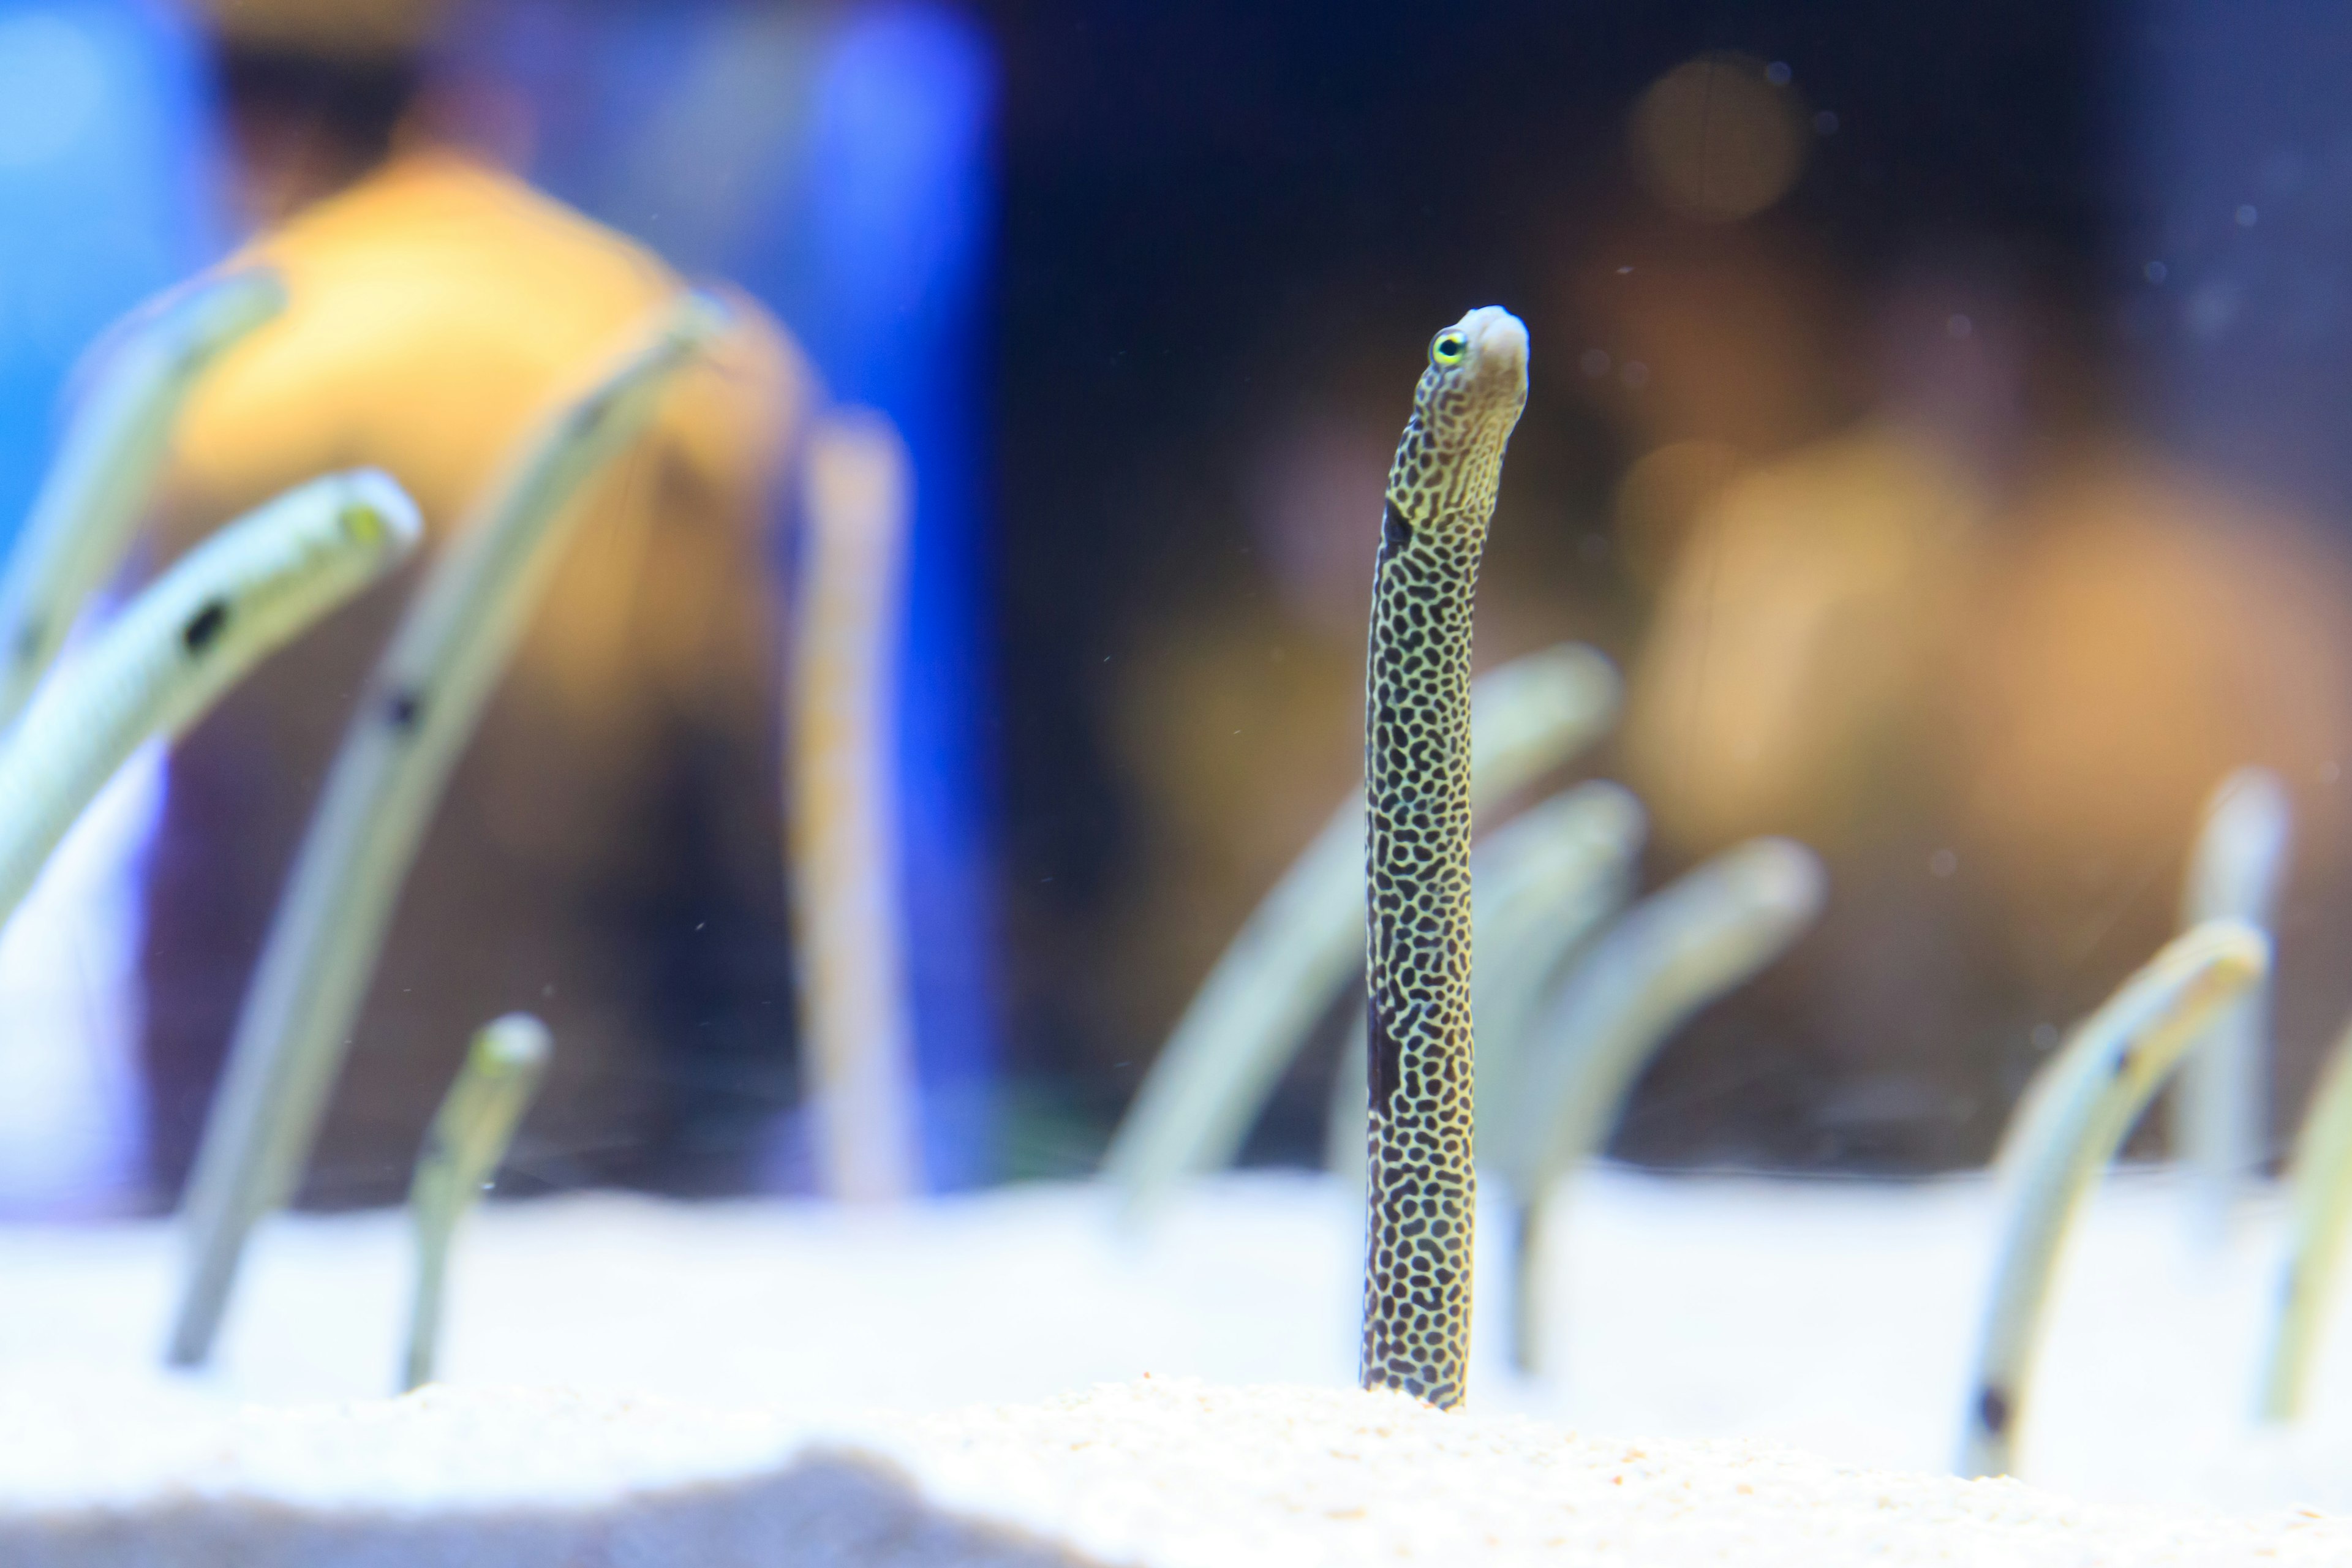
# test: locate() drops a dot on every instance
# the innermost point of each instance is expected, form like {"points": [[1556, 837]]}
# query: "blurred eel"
{"points": [[416, 717], [1672, 953], [88, 507], [2073, 1118], [463, 1149], [843, 821], [2323, 1200], [2220, 1110], [1304, 943], [155, 669]]}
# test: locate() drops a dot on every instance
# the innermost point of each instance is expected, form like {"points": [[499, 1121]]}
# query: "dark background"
{"points": [[1201, 201]]}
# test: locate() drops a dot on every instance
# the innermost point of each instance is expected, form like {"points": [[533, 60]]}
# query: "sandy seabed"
{"points": [[1749, 1371]]}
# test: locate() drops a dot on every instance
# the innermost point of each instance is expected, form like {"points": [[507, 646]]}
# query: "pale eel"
{"points": [[89, 504], [416, 716], [2322, 1178], [2220, 1108], [1541, 884], [2073, 1118], [1673, 952], [1420, 1182], [155, 669], [463, 1149], [856, 1038], [1293, 957]]}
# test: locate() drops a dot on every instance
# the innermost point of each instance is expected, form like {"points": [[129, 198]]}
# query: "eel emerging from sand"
{"points": [[1420, 1183]]}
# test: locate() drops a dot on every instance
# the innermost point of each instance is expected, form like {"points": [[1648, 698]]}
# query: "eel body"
{"points": [[847, 926], [181, 644], [463, 1148], [88, 507], [1304, 943], [2074, 1116], [1420, 1181]]}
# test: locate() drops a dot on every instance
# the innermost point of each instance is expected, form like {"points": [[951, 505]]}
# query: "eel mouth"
{"points": [[1497, 354]]}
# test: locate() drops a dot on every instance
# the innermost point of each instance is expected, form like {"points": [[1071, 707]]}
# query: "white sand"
{"points": [[1834, 1316], [1169, 1475]]}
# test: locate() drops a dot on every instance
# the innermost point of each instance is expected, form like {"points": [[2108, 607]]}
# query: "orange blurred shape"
{"points": [[436, 309], [2145, 635], [1734, 332], [1791, 641], [1661, 498], [345, 29], [439, 310], [1715, 139]]}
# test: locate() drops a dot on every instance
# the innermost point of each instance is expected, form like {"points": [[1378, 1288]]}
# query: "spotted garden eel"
{"points": [[844, 868], [416, 716], [462, 1151], [1540, 885], [88, 506], [1304, 941], [2073, 1117], [2219, 1103], [1421, 1185], [168, 656], [1673, 952], [2322, 1177]]}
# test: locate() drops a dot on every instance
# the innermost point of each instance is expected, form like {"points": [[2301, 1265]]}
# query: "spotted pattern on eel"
{"points": [[1421, 1187]]}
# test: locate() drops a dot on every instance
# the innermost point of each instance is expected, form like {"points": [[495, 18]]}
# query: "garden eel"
{"points": [[462, 1151], [1672, 953], [2220, 1112], [1421, 1184], [844, 813], [1540, 884], [2073, 1117], [1302, 944], [416, 716], [2323, 1198], [192, 635], [89, 504]]}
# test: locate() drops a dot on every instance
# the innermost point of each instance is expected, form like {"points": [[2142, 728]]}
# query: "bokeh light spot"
{"points": [[1714, 139]]}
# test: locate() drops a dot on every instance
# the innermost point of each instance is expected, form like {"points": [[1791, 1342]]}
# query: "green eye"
{"points": [[1448, 348]]}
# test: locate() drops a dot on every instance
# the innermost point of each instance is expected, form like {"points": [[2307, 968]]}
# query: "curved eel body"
{"points": [[88, 507], [1421, 1185], [2315, 1259], [414, 718], [2073, 1117], [187, 638], [1672, 955]]}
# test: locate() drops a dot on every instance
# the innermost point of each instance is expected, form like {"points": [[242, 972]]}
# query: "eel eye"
{"points": [[1448, 348]]}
